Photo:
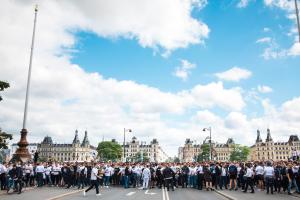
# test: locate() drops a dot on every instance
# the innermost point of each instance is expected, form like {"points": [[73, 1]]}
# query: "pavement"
{"points": [[118, 193]]}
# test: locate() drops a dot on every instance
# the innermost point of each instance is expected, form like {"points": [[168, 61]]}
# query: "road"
{"points": [[117, 193]]}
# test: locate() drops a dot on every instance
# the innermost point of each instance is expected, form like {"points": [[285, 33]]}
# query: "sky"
{"points": [[164, 68]]}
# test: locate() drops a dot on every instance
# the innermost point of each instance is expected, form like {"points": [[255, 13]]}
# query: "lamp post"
{"points": [[22, 154], [297, 16], [210, 147], [125, 130]]}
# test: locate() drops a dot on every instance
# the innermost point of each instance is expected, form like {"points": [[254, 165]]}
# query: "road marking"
{"points": [[163, 192], [65, 194], [130, 193], [167, 195], [151, 193]]}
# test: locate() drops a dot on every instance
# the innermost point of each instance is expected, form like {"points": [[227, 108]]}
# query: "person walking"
{"points": [[249, 178], [94, 181], [146, 175], [168, 176]]}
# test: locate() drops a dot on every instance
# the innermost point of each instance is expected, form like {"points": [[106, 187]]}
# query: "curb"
{"points": [[66, 194], [295, 196], [224, 195]]}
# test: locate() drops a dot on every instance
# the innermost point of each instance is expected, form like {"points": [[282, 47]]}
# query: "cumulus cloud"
{"points": [[234, 74], [264, 89], [184, 70]]}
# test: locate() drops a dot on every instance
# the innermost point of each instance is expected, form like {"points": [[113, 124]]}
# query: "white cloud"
{"points": [[264, 40], [264, 89], [234, 74], [295, 50], [184, 70], [243, 3], [266, 29]]}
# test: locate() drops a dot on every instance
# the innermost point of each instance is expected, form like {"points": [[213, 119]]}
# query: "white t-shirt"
{"points": [[94, 173], [200, 170], [249, 172], [259, 170], [40, 169], [223, 173], [269, 171], [146, 173], [108, 171]]}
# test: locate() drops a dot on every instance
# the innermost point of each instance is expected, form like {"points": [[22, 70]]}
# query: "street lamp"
{"points": [[210, 147], [125, 130], [22, 153]]}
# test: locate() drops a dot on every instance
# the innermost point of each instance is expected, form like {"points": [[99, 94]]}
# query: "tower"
{"points": [[76, 141], [258, 138], [269, 138], [85, 142]]}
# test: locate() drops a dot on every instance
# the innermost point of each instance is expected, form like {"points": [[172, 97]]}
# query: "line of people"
{"points": [[274, 177]]}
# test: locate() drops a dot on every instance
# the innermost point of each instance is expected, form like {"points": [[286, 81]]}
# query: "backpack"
{"points": [[232, 169]]}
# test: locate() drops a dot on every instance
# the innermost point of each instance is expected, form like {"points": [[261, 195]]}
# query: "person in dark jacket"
{"points": [[16, 173], [168, 177]]}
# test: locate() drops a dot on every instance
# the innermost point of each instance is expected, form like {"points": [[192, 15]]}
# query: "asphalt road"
{"points": [[118, 193]]}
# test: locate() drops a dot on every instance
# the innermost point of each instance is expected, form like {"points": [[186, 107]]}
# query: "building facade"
{"points": [[76, 151], [270, 150], [152, 151], [220, 152]]}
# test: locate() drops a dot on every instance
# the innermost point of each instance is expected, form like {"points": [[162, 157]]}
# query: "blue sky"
{"points": [[164, 68], [231, 42]]}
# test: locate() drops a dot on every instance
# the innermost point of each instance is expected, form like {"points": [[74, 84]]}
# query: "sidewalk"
{"points": [[236, 195], [2, 192]]}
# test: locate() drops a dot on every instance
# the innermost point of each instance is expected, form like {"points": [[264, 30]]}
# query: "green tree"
{"points": [[109, 150], [3, 139], [3, 85], [204, 155], [239, 153]]}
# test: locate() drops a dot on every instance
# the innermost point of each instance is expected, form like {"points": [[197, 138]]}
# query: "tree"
{"points": [[3, 85], [239, 153], [109, 150], [204, 155], [3, 139]]}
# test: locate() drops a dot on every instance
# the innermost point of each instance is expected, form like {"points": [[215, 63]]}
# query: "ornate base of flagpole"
{"points": [[22, 154]]}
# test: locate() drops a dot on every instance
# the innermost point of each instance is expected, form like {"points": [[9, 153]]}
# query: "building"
{"points": [[189, 152], [220, 152], [32, 147], [75, 151], [270, 150], [152, 151]]}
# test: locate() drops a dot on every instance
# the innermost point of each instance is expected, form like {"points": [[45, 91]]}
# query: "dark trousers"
{"points": [[81, 182], [18, 185], [277, 184], [168, 183], [269, 184], [223, 182], [249, 182], [200, 181], [94, 183], [184, 180], [39, 177], [3, 181], [217, 181]]}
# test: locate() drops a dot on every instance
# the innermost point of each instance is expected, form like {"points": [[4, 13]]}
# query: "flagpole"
{"points": [[22, 153], [297, 16]]}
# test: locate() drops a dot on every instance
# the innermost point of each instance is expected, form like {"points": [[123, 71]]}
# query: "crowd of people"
{"points": [[269, 176]]}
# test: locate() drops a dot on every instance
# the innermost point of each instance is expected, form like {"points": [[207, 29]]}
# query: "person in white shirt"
{"points": [[269, 176], [39, 174], [199, 172], [249, 178], [107, 174], [48, 170], [259, 172], [94, 181], [146, 177], [55, 174]]}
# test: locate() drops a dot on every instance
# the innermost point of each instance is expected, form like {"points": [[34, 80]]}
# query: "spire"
{"points": [[76, 139], [258, 139], [85, 141], [269, 138]]}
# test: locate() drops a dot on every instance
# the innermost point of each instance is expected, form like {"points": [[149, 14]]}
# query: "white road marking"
{"points": [[163, 192], [130, 193], [167, 195], [151, 193]]}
